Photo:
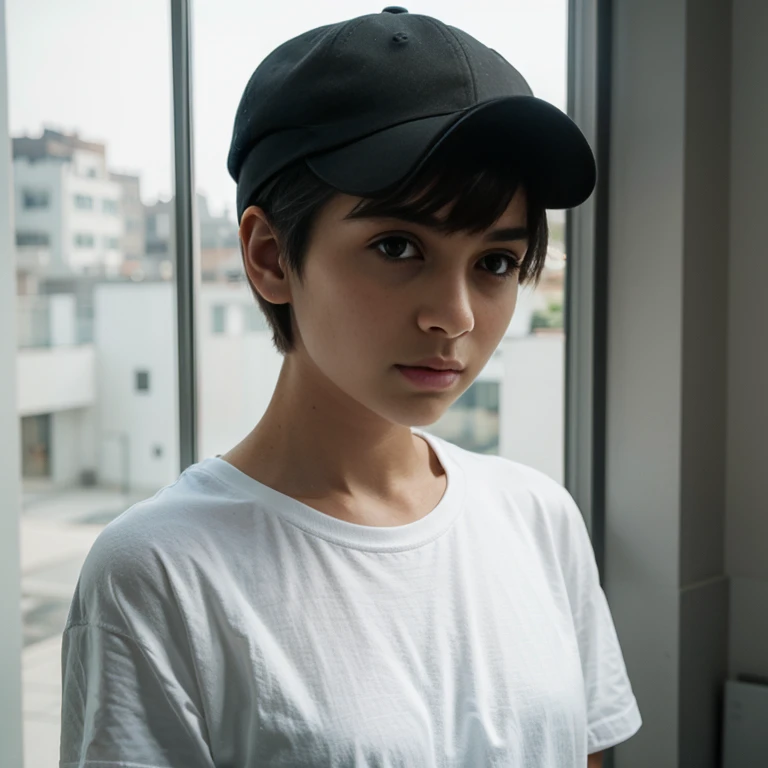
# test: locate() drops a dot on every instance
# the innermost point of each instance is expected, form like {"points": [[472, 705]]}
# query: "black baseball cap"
{"points": [[366, 101]]}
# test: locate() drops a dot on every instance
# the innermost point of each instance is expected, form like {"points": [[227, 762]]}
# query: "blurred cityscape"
{"points": [[97, 374]]}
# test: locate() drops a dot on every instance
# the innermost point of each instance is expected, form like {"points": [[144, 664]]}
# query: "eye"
{"points": [[393, 247], [501, 264]]}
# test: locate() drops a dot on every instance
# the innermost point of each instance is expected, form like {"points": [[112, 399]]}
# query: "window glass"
{"points": [[36, 198], [219, 318], [91, 126]]}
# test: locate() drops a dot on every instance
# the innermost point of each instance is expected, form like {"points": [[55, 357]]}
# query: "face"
{"points": [[378, 293]]}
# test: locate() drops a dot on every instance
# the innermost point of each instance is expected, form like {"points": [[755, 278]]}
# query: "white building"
{"points": [[67, 208]]}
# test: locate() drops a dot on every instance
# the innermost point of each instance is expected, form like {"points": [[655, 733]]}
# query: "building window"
{"points": [[163, 225], [133, 225], [36, 198], [481, 394], [84, 202], [112, 243], [142, 381], [473, 420], [33, 238], [110, 206], [36, 446], [83, 240], [219, 318]]}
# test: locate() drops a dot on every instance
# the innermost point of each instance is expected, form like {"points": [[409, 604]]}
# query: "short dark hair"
{"points": [[480, 188]]}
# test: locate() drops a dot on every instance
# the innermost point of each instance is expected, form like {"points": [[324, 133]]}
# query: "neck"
{"points": [[315, 442]]}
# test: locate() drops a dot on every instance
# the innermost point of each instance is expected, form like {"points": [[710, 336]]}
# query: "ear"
{"points": [[262, 256]]}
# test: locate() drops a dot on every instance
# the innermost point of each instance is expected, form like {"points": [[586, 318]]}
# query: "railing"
{"points": [[33, 322], [56, 320]]}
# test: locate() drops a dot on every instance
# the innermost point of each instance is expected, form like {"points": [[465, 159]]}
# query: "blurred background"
{"points": [[649, 404]]}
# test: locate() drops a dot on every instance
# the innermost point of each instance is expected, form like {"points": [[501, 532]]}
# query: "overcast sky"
{"points": [[102, 68]]}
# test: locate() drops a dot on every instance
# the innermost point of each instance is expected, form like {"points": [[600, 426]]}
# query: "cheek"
{"points": [[492, 320], [339, 314]]}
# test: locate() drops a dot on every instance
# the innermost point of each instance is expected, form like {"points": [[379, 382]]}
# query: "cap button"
{"points": [[394, 9]]}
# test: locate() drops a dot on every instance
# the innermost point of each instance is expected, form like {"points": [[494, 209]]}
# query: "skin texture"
{"points": [[336, 432], [595, 760]]}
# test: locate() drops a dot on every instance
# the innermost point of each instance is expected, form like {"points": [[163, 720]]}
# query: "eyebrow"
{"points": [[511, 233], [494, 236]]}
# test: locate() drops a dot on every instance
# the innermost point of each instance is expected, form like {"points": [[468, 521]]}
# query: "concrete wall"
{"points": [[10, 461], [667, 365], [746, 548]]}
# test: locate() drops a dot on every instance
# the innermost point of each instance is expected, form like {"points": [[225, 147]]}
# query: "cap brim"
{"points": [[544, 144]]}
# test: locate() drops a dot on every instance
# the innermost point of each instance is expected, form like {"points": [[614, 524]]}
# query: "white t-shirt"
{"points": [[222, 623]]}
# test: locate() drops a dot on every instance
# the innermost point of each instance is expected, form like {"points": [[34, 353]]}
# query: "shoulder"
{"points": [[543, 502], [144, 559], [506, 475]]}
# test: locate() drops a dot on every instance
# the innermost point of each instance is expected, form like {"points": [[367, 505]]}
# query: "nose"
{"points": [[445, 304]]}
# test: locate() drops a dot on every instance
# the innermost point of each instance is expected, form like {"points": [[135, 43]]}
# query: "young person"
{"points": [[342, 588]]}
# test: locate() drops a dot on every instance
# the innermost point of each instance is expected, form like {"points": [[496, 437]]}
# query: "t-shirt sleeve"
{"points": [[613, 715], [129, 691]]}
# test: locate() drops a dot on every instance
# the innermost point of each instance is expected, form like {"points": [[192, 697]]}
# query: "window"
{"points": [[473, 420], [33, 238], [162, 225], [142, 381], [98, 415], [84, 240], [36, 198], [36, 446], [218, 318], [126, 433]]}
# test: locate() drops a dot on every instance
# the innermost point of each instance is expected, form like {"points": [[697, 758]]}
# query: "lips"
{"points": [[436, 364], [426, 377]]}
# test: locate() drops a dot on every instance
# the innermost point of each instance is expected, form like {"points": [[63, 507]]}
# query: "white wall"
{"points": [[532, 402], [238, 371], [135, 330], [55, 379]]}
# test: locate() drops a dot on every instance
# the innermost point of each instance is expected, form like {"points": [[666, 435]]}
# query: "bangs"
{"points": [[477, 187]]}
